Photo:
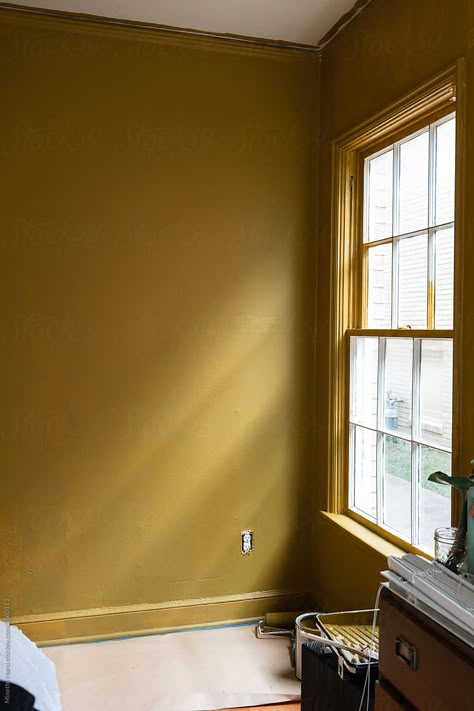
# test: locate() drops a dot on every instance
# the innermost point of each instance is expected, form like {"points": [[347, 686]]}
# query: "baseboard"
{"points": [[134, 620]]}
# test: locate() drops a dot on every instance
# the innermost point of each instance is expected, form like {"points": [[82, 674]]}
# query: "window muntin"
{"points": [[401, 384], [400, 432], [409, 230]]}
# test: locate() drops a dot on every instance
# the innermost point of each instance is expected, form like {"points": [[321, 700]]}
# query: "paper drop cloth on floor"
{"points": [[199, 670]]}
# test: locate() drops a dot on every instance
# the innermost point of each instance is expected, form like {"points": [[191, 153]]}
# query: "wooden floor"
{"points": [[274, 707]]}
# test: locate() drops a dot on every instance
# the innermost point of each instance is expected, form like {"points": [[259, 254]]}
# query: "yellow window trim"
{"points": [[440, 96], [365, 535], [401, 333]]}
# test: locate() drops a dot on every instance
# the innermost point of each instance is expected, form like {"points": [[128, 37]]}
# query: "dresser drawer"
{"points": [[386, 701], [432, 668]]}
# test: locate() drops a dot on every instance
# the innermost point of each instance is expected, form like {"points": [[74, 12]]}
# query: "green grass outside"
{"points": [[398, 463]]}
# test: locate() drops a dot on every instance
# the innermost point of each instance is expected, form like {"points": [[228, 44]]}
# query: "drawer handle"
{"points": [[406, 651]]}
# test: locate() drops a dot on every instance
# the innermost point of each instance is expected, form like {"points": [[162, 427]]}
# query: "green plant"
{"points": [[462, 484]]}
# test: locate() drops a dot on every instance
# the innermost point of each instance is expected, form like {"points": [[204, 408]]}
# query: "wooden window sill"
{"points": [[365, 536]]}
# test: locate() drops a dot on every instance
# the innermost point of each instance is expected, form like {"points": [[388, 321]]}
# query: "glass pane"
{"points": [[380, 179], [436, 391], [414, 184], [445, 166], [380, 287], [435, 499], [397, 385], [397, 485], [364, 359], [412, 281], [363, 470], [444, 278]]}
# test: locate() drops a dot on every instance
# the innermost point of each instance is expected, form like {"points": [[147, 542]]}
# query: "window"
{"points": [[400, 415], [393, 374]]}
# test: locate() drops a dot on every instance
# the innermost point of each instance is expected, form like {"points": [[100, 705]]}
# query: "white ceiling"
{"points": [[298, 21]]}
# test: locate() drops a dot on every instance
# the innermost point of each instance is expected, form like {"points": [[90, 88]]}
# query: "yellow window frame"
{"points": [[430, 102]]}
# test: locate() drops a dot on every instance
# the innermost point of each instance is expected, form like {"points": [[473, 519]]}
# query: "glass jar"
{"points": [[449, 548], [444, 540]]}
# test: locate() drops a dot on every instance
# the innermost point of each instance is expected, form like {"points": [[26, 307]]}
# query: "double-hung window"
{"points": [[394, 314], [401, 360]]}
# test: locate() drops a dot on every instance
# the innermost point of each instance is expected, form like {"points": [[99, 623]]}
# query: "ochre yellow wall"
{"points": [[158, 250], [157, 288], [387, 51]]}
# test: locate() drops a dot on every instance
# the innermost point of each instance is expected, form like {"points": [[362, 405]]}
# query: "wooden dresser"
{"points": [[422, 666]]}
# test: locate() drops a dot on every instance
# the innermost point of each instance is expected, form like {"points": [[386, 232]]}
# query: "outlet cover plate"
{"points": [[247, 541]]}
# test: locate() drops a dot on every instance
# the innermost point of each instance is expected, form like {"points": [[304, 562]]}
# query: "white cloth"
{"points": [[24, 664]]}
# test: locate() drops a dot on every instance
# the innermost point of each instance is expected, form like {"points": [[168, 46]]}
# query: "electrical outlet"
{"points": [[246, 544]]}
